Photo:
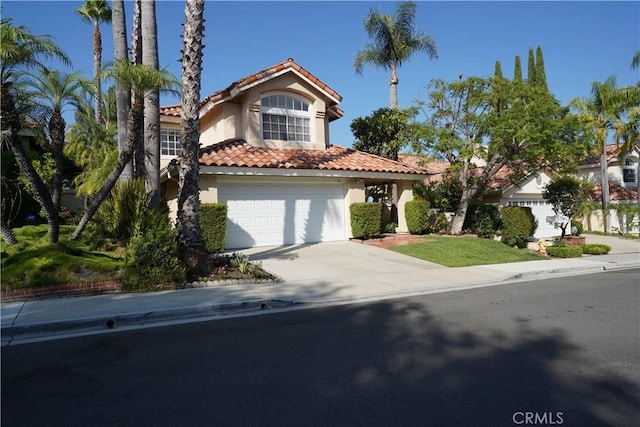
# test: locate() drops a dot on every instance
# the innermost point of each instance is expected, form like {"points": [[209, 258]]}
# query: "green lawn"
{"points": [[465, 251], [33, 262]]}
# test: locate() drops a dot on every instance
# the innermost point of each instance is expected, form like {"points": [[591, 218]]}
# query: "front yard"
{"points": [[465, 251]]}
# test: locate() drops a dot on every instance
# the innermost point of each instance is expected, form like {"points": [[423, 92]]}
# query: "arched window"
{"points": [[285, 118]]}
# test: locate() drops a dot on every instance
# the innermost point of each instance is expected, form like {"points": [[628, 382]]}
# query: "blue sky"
{"points": [[582, 42]]}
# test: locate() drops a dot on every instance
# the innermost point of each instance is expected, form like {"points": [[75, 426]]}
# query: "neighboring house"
{"points": [[528, 192], [266, 153], [623, 186], [623, 173]]}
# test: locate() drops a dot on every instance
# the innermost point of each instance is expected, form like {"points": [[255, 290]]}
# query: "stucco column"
{"points": [[405, 194], [355, 194]]}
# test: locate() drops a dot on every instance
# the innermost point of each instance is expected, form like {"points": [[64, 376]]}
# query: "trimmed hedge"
{"points": [[417, 214], [483, 220], [366, 219], [213, 226], [518, 224], [595, 249], [565, 251]]}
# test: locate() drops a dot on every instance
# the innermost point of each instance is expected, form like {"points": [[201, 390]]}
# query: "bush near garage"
{"points": [[151, 260], [518, 225], [366, 219], [417, 213], [595, 249], [565, 251], [213, 226], [483, 220]]}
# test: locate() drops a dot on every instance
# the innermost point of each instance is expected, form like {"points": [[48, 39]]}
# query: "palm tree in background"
{"points": [[394, 41], [191, 247], [138, 79], [22, 51], [96, 12], [51, 93], [600, 114]]}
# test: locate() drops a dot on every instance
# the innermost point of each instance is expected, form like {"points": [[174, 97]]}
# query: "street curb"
{"points": [[40, 330], [17, 333]]}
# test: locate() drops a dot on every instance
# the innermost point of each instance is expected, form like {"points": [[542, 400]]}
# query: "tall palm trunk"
{"points": [[135, 116], [604, 182], [136, 58], [189, 236], [97, 69], [393, 87], [57, 127], [10, 124], [151, 103], [123, 94]]}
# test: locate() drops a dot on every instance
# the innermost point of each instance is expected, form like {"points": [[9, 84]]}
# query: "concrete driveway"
{"points": [[347, 267]]}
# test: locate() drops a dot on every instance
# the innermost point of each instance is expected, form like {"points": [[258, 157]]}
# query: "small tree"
{"points": [[565, 194]]}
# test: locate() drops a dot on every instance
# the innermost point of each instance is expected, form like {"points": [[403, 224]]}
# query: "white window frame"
{"points": [[170, 146], [630, 167], [302, 113]]}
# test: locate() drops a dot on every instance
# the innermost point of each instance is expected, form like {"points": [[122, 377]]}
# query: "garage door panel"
{"points": [[261, 215]]}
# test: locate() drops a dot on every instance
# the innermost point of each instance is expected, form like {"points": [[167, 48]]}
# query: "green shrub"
{"points": [[518, 225], [390, 227], [565, 251], [438, 222], [595, 249], [213, 226], [483, 220], [417, 214], [578, 226], [124, 210], [366, 219], [151, 258]]}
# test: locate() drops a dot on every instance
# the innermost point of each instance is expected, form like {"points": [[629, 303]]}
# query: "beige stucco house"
{"points": [[266, 152]]}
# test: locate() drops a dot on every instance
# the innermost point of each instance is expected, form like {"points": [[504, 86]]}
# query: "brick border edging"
{"points": [[69, 290]]}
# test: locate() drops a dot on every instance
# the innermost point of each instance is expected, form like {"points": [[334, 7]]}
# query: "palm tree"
{"points": [[93, 147], [96, 12], [395, 40], [52, 92], [191, 247], [138, 79], [152, 103], [123, 94], [20, 51], [600, 114]]}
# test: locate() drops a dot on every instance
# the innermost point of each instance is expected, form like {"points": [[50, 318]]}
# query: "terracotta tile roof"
{"points": [[612, 154], [437, 168], [616, 193], [174, 110], [238, 153]]}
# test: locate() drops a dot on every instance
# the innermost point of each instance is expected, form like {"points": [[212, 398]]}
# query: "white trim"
{"points": [[243, 171]]}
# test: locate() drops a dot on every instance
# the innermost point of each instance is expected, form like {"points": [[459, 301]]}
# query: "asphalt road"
{"points": [[564, 351]]}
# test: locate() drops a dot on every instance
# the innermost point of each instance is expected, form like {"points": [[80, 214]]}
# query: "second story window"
{"points": [[170, 142], [285, 118], [629, 172]]}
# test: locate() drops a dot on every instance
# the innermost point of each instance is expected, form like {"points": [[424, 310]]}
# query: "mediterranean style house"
{"points": [[623, 187], [266, 152]]}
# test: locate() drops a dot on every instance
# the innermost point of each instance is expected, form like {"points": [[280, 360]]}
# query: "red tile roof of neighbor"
{"points": [[436, 169], [238, 153], [616, 193], [612, 154], [174, 110]]}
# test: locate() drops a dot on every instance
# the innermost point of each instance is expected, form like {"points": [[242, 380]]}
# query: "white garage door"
{"points": [[266, 215]]}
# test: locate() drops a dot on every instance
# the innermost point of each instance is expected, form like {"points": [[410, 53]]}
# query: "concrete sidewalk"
{"points": [[314, 275]]}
